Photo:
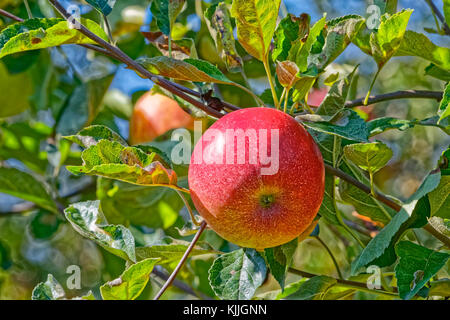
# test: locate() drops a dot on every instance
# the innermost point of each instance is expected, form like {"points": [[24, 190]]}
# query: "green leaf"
{"points": [[25, 186], [280, 259], [300, 50], [414, 214], [166, 12], [440, 198], [292, 31], [331, 149], [237, 275], [364, 204], [346, 124], [124, 203], [112, 160], [103, 6], [387, 40], [256, 22], [383, 124], [20, 88], [447, 11], [418, 45], [48, 290], [22, 141], [188, 69], [131, 283], [440, 288], [328, 208], [88, 220], [170, 254], [416, 266], [278, 294], [91, 135], [368, 156], [336, 96], [438, 73], [217, 19], [444, 107], [39, 33], [339, 33], [302, 87], [386, 6], [181, 48], [313, 289]]}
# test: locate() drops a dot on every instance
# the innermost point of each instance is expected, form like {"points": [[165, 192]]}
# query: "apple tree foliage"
{"points": [[74, 192]]}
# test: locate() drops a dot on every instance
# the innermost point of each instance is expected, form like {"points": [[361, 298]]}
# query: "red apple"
{"points": [[153, 115], [237, 194]]}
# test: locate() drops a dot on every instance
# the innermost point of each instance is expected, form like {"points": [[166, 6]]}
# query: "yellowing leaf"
{"points": [[39, 33], [256, 22], [219, 25], [287, 73]]}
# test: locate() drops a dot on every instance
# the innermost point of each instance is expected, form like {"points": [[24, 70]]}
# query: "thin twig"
{"points": [[108, 28], [403, 94], [381, 197], [180, 285], [348, 283], [120, 55], [182, 261], [330, 253], [10, 15], [439, 15]]}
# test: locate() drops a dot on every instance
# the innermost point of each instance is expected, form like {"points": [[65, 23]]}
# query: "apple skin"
{"points": [[228, 196], [153, 115]]}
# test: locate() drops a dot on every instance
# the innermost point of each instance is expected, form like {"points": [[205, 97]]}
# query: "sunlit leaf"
{"points": [[110, 159], [256, 21], [387, 40], [91, 135], [88, 220], [339, 33], [292, 31], [418, 44], [131, 283], [368, 156], [39, 33], [188, 69]]}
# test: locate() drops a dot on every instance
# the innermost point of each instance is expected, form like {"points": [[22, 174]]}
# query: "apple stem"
{"points": [[191, 213]]}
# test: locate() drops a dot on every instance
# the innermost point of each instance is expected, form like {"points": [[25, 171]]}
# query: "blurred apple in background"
{"points": [[153, 115], [316, 96]]}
